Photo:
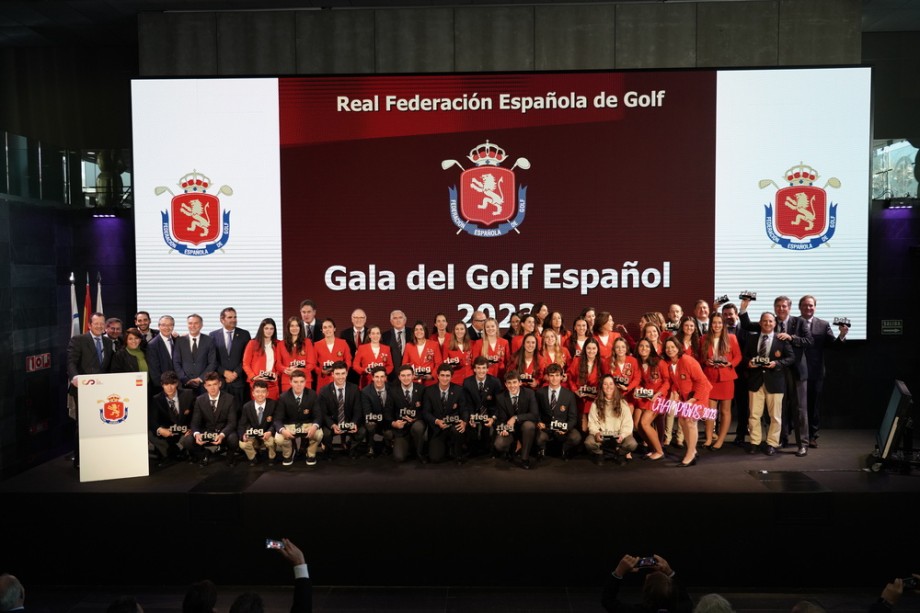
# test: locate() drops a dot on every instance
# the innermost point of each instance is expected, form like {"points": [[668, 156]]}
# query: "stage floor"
{"points": [[733, 520]]}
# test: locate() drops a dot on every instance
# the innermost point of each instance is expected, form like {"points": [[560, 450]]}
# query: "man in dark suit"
{"points": [[142, 323], [516, 416], [159, 352], [481, 391], [213, 422], [446, 414], [701, 316], [558, 413], [794, 331], [229, 345], [194, 355], [355, 336], [298, 415], [169, 417], [311, 327], [405, 420], [822, 338], [733, 326], [87, 354], [396, 339], [767, 358], [342, 412], [477, 325], [256, 427], [376, 405]]}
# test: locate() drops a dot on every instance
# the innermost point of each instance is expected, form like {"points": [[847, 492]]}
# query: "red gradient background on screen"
{"points": [[605, 187]]}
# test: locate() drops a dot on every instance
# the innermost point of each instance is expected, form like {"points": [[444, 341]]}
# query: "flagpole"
{"points": [[99, 308], [74, 310], [87, 306]]}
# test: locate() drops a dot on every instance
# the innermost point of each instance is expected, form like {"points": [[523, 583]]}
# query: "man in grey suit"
{"points": [[229, 345], [822, 338], [87, 354], [194, 355]]}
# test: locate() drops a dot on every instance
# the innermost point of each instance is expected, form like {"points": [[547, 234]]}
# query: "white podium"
{"points": [[113, 426]]}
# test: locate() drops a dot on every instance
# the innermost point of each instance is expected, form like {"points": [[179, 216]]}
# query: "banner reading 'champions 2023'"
{"points": [[620, 190]]}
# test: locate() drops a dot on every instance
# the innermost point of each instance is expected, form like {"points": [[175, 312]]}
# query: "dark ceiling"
{"points": [[37, 23]]}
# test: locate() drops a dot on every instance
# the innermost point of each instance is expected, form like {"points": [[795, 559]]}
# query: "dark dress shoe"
{"points": [[205, 460], [252, 462], [813, 444], [599, 459], [771, 450], [525, 464], [752, 449], [802, 452]]}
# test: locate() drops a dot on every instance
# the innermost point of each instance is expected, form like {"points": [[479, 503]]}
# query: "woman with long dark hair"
{"points": [[721, 354], [261, 357], [295, 353]]}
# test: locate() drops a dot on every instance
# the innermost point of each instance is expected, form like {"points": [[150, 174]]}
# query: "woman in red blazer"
{"points": [[689, 337], [296, 353], [458, 352], [655, 336], [625, 371], [721, 355], [329, 350], [370, 355], [261, 357], [527, 362], [688, 384], [654, 376], [584, 378], [557, 324], [578, 337], [423, 354], [604, 334], [528, 326], [494, 348], [440, 333], [553, 351]]}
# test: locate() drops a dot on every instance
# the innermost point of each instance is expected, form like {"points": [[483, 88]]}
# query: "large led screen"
{"points": [[624, 191]]}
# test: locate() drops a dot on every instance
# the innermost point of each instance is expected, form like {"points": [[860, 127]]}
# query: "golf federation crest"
{"points": [[486, 203], [803, 218], [194, 223], [113, 410]]}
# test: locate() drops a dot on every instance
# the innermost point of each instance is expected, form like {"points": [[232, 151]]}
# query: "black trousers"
{"points": [[414, 435], [568, 440], [525, 432], [440, 439]]}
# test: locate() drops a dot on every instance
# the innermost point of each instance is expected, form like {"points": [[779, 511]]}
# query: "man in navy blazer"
{"points": [[822, 338], [229, 345], [213, 422], [481, 390], [445, 411], [87, 354], [767, 357], [345, 418], [194, 355], [159, 352]]}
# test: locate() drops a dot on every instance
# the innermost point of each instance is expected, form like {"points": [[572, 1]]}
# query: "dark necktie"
{"points": [[214, 406], [552, 400], [341, 405], [782, 327], [514, 404], [310, 331], [194, 348], [229, 341], [299, 398], [173, 408], [408, 397], [444, 399], [381, 397], [99, 349], [762, 350], [399, 341], [259, 411], [357, 338], [482, 387]]}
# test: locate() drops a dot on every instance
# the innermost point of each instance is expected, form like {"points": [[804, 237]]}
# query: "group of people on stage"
{"points": [[456, 390]]}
